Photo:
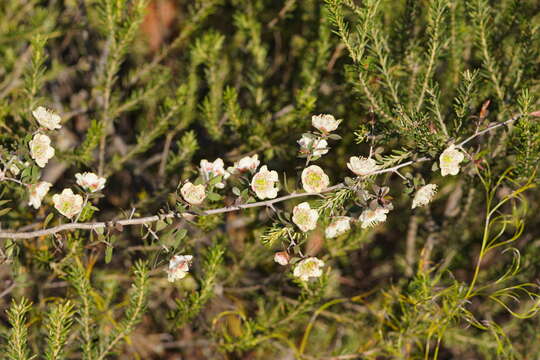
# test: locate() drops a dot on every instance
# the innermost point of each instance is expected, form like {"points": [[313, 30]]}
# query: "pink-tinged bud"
{"points": [[282, 258]]}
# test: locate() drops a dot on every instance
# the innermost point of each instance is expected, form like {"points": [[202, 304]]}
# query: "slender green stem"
{"points": [[485, 239]]}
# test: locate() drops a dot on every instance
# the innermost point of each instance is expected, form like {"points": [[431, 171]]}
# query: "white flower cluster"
{"points": [[70, 204], [310, 267], [210, 170], [262, 183], [67, 203], [41, 151], [315, 145], [40, 145]]}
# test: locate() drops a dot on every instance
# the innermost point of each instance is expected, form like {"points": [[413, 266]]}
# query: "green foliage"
{"points": [[58, 323], [16, 347], [526, 139], [35, 72], [78, 277], [146, 89], [133, 313]]}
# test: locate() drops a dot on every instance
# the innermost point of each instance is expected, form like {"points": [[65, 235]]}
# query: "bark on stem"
{"points": [[154, 218], [269, 203]]}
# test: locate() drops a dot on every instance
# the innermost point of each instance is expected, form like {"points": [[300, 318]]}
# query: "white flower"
{"points": [[325, 122], [213, 169], [424, 195], [193, 194], [41, 149], [37, 193], [263, 183], [282, 258], [338, 227], [67, 203], [449, 161], [314, 179], [309, 267], [317, 147], [90, 181], [247, 163], [47, 118], [370, 217], [305, 217], [362, 166], [178, 267]]}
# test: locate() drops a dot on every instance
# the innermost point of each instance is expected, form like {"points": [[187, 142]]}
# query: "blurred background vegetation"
{"points": [[147, 89]]}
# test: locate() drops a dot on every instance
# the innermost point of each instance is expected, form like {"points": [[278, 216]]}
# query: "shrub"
{"points": [[292, 179]]}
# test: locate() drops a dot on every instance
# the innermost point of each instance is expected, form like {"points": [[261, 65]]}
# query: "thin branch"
{"points": [[488, 129], [412, 232], [171, 215], [165, 154], [11, 82], [269, 203], [14, 180], [8, 289]]}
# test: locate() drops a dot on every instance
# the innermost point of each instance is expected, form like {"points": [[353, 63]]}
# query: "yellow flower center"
{"points": [[447, 159], [314, 178], [261, 183], [65, 206], [310, 266], [302, 217]]}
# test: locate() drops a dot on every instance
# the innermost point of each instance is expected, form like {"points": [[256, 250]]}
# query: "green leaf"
{"points": [[215, 180], [4, 211], [334, 137], [213, 196], [160, 225], [180, 234], [48, 220]]}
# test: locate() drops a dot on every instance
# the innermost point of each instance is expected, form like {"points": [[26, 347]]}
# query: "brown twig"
{"points": [[488, 129], [268, 203], [171, 215]]}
